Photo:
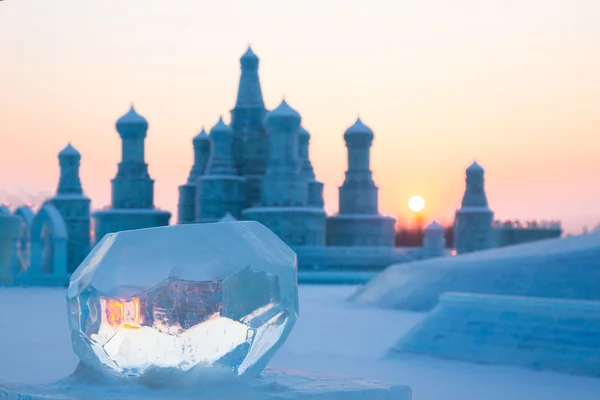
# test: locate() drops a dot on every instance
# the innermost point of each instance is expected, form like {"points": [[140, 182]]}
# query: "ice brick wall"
{"points": [[547, 334]]}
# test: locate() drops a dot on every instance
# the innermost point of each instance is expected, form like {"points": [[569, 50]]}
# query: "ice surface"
{"points": [[567, 268], [216, 297], [551, 334], [327, 339], [273, 385]]}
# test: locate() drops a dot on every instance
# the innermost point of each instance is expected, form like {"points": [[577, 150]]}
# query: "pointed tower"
{"points": [[283, 184], [358, 194], [220, 190], [315, 188], [132, 188], [358, 222], [284, 202], [186, 208], [434, 243], [73, 206], [473, 220], [201, 144], [250, 140]]}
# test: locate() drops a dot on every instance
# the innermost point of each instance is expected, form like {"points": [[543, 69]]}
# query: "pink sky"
{"points": [[514, 84]]}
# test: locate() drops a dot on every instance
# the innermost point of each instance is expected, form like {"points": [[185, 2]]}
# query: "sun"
{"points": [[416, 203]]}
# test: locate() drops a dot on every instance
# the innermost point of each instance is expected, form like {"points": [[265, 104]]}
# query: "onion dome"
{"points": [[132, 118], [69, 151], [201, 136], [475, 168], [249, 55], [249, 60], [359, 128], [302, 132], [283, 111], [220, 127]]}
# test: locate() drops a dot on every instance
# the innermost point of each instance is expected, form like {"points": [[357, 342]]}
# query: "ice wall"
{"points": [[546, 334], [567, 268]]}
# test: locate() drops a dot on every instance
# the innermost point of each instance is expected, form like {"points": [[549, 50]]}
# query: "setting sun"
{"points": [[416, 203]]}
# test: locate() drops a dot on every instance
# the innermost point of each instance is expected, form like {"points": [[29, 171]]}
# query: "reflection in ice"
{"points": [[131, 324], [178, 324]]}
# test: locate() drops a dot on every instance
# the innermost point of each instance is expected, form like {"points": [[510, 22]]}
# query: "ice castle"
{"points": [[257, 168]]}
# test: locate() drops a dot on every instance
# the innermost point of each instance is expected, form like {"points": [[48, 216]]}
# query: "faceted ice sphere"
{"points": [[197, 297]]}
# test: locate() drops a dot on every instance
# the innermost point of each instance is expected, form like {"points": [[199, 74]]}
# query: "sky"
{"points": [[513, 84]]}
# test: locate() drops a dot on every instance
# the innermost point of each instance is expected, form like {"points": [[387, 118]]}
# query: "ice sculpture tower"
{"points": [[186, 208], [249, 136], [315, 188], [220, 190], [284, 201], [9, 232], [358, 222], [473, 221], [434, 242], [132, 188], [73, 206]]}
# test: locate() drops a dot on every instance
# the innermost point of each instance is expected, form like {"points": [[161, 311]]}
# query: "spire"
{"points": [[249, 91]]}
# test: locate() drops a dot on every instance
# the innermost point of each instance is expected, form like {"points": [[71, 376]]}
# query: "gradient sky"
{"points": [[514, 84]]}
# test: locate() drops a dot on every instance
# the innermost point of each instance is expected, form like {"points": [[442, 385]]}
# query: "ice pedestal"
{"points": [[271, 385]]}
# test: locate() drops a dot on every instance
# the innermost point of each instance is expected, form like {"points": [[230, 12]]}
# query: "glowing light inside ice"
{"points": [[234, 321]]}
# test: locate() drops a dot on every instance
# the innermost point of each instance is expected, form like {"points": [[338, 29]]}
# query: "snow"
{"points": [[545, 334], [331, 337], [566, 268], [272, 385]]}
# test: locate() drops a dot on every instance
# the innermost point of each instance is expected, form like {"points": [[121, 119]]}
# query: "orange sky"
{"points": [[511, 83]]}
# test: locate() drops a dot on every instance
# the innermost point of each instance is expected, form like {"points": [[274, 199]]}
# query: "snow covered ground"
{"points": [[332, 336]]}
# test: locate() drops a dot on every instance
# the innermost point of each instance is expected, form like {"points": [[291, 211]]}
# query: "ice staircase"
{"points": [[544, 334]]}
